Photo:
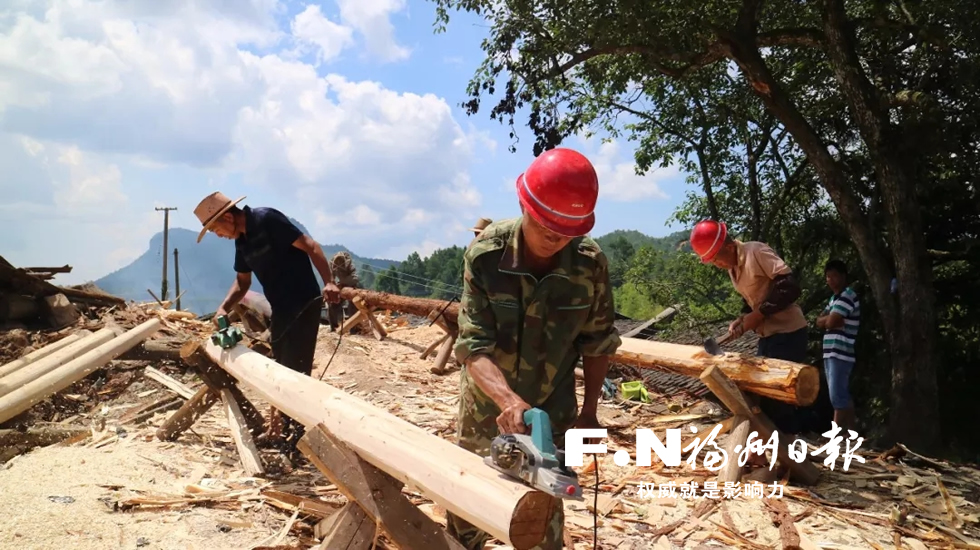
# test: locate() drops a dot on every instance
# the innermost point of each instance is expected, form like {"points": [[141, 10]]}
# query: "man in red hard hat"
{"points": [[769, 290], [536, 299]]}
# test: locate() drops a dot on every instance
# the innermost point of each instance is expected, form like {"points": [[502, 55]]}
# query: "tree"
{"points": [[412, 279], [871, 95], [388, 281], [366, 276]]}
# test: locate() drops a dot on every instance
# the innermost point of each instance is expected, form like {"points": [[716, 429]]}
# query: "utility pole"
{"points": [[177, 278], [166, 252]]}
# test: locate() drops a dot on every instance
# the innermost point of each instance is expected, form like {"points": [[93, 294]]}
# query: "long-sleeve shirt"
{"points": [[535, 330]]}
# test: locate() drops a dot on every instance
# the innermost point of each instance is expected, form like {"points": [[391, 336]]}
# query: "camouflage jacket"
{"points": [[548, 324], [343, 270]]}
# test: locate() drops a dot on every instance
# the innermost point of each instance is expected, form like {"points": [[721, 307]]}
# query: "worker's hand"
{"points": [[217, 314], [511, 418], [588, 422], [736, 329], [331, 293]]}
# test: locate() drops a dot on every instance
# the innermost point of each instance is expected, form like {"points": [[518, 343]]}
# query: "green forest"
{"points": [[824, 130]]}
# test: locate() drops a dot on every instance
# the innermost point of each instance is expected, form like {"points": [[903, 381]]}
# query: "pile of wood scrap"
{"points": [[27, 300]]}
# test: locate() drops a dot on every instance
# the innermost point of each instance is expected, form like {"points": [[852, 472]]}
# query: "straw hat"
{"points": [[481, 225], [211, 208]]}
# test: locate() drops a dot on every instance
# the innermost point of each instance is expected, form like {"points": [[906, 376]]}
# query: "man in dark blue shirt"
{"points": [[272, 247]]}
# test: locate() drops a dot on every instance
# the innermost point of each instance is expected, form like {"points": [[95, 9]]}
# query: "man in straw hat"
{"points": [[272, 247]]}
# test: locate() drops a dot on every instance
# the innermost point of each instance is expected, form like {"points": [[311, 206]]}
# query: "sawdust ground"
{"points": [[390, 375]]}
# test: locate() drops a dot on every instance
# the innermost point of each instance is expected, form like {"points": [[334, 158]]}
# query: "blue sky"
{"points": [[343, 114]]}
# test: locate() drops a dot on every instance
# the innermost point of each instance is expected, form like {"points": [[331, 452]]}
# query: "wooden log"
{"points": [[38, 369], [41, 353], [37, 390], [379, 331], [405, 304], [217, 379], [187, 414], [731, 471], [781, 380], [39, 436], [168, 382], [154, 350], [350, 529], [247, 451], [379, 494], [724, 388], [448, 475], [432, 347], [443, 356]]}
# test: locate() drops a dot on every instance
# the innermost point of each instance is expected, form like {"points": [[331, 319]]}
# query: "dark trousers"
{"points": [[293, 346], [789, 346]]}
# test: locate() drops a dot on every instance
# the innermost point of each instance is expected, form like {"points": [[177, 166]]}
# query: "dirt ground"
{"points": [[123, 488]]}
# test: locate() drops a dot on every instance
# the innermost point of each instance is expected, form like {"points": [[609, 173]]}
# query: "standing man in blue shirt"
{"points": [[272, 247], [840, 321]]}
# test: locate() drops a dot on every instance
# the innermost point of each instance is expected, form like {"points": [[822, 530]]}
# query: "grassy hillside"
{"points": [[638, 240], [206, 270]]}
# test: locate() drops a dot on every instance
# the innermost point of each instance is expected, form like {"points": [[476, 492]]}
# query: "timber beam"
{"points": [[446, 474]]}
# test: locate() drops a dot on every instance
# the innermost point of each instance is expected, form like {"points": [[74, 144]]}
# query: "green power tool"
{"points": [[227, 336], [534, 458]]}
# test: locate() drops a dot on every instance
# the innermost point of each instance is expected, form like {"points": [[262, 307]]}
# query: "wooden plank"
{"points": [[147, 411], [723, 388], [187, 414], [447, 474], [247, 451], [171, 384], [350, 530], [379, 494], [668, 312]]}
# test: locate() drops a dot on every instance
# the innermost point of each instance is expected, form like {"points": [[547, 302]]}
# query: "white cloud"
{"points": [[91, 91], [311, 27], [371, 18], [618, 180]]}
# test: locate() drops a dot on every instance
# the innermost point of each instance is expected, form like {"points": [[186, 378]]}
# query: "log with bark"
{"points": [[785, 381], [450, 476], [782, 380], [416, 306]]}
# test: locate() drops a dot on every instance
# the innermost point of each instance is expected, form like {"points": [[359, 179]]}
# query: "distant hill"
{"points": [[206, 270], [666, 244]]}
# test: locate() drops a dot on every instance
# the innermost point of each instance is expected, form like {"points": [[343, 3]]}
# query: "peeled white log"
{"points": [[47, 350], [449, 475], [17, 379], [53, 382]]}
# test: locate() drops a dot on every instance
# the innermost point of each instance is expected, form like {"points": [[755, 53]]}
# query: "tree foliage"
{"points": [[821, 128]]}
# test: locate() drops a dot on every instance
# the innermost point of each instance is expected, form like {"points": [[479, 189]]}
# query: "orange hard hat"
{"points": [[707, 238], [559, 190]]}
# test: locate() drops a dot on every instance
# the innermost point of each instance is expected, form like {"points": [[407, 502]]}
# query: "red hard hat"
{"points": [[559, 190], [707, 238]]}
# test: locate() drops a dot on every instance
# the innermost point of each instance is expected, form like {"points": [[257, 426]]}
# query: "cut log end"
{"points": [[529, 524], [807, 386]]}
